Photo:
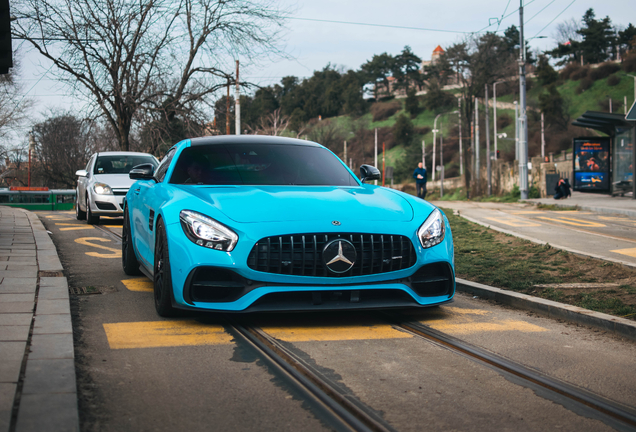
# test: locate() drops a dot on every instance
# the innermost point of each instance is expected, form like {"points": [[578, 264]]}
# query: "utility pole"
{"points": [[523, 119], [488, 168], [345, 152], [441, 164], [461, 152], [375, 160], [477, 162], [434, 141], [237, 103], [542, 138], [227, 109], [31, 151], [424, 154], [494, 91], [516, 131]]}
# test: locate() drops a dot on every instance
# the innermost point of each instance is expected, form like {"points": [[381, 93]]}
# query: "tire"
{"points": [[162, 275], [90, 217], [79, 214], [128, 259]]}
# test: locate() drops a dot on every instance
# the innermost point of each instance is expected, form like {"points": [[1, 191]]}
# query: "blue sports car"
{"points": [[258, 223]]}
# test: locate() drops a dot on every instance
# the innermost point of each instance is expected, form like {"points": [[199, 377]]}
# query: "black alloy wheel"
{"points": [[90, 217], [79, 214], [162, 275], [128, 259]]}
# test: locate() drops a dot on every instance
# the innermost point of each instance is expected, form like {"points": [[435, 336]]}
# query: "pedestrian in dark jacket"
{"points": [[562, 189], [420, 180]]}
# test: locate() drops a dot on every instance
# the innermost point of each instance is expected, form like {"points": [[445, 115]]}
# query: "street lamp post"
{"points": [[633, 76], [434, 141], [441, 155], [494, 95], [523, 118]]}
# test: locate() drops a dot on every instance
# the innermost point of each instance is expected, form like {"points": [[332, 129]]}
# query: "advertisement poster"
{"points": [[591, 164]]}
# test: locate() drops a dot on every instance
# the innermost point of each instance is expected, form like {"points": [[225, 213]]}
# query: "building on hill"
{"points": [[435, 56]]}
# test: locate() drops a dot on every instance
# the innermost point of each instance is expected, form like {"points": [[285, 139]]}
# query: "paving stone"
{"points": [[16, 307], [51, 413], [49, 376], [7, 394], [14, 333], [53, 293], [31, 267], [19, 281], [4, 258], [21, 260], [50, 307], [53, 282], [16, 319], [33, 272], [11, 355], [26, 297], [51, 346], [8, 252], [52, 324], [49, 263]]}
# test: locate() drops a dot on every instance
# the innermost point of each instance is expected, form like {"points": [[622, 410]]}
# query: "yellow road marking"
{"points": [[75, 228], [115, 253], [572, 221], [629, 252], [478, 327], [68, 224], [335, 333], [112, 226], [514, 222], [460, 311], [155, 334], [614, 218], [526, 212], [142, 284]]}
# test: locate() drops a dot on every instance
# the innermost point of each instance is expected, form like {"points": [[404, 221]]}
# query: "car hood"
{"points": [[115, 181], [248, 204]]}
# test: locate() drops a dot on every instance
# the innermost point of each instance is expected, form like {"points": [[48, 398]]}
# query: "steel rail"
{"points": [[353, 413], [599, 403]]}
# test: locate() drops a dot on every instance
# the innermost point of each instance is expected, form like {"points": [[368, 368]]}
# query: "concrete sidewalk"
{"points": [[597, 203], [37, 368]]}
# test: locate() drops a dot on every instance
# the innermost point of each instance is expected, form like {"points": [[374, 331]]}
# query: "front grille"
{"points": [[120, 192], [301, 254]]}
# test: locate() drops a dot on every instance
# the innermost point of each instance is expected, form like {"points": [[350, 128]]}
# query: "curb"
{"points": [[605, 210], [48, 400], [618, 326]]}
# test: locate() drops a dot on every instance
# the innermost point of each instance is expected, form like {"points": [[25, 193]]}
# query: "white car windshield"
{"points": [[120, 164]]}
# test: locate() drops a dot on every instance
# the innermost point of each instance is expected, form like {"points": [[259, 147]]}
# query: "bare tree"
{"points": [[568, 30], [273, 123], [127, 56], [14, 105], [63, 146]]}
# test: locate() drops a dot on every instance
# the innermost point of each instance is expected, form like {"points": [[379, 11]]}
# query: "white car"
{"points": [[102, 186]]}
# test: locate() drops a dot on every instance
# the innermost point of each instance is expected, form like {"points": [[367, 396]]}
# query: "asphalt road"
{"points": [[138, 372], [605, 236]]}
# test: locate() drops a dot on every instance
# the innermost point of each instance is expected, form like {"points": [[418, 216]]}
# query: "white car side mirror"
{"points": [[80, 173]]}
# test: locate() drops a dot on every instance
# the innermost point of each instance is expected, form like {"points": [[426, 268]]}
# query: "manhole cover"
{"points": [[84, 290], [44, 273]]}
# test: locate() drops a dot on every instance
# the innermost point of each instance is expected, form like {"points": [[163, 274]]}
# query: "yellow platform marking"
{"points": [[112, 226], [335, 333], [618, 219], [526, 212], [57, 217], [514, 222], [572, 221], [629, 252], [75, 228], [114, 253], [453, 327], [460, 311], [142, 284], [153, 334]]}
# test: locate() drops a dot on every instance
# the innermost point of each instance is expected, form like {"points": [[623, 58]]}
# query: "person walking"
{"points": [[420, 180]]}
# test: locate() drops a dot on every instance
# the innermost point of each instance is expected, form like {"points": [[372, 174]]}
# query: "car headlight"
{"points": [[207, 232], [102, 189], [432, 230]]}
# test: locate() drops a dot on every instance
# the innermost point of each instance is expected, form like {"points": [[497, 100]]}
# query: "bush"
{"points": [[384, 110], [412, 103], [629, 63], [580, 73], [604, 103], [604, 70], [585, 84], [613, 80], [566, 72]]}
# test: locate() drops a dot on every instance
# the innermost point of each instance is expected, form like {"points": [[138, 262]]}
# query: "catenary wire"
{"points": [[378, 25], [554, 19], [544, 7]]}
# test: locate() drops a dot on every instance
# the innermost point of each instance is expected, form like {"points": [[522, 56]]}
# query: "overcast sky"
{"points": [[315, 44]]}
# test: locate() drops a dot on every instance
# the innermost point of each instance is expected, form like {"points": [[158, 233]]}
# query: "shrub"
{"points": [[613, 80], [629, 63], [605, 105], [604, 70], [585, 84], [580, 73], [567, 71], [384, 110]]}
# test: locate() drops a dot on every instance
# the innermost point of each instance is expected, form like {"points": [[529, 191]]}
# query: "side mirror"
{"points": [[142, 172], [81, 173], [368, 172]]}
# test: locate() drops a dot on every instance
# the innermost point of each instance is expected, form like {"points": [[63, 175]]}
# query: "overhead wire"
{"points": [[554, 19], [502, 15], [378, 25], [544, 7]]}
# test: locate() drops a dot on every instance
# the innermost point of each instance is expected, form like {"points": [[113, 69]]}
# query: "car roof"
{"points": [[122, 153], [250, 139]]}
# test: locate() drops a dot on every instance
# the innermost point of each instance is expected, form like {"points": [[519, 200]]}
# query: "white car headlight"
{"points": [[432, 230], [102, 189], [207, 232]]}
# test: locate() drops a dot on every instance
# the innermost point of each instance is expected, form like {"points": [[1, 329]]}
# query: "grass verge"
{"points": [[504, 261]]}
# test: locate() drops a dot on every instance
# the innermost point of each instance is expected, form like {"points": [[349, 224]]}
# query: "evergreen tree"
{"points": [[412, 104], [545, 72], [598, 38]]}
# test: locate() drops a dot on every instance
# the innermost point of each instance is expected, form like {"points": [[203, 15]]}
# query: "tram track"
{"points": [[352, 414]]}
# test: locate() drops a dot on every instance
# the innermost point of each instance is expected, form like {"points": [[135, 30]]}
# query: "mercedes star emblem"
{"points": [[339, 255]]}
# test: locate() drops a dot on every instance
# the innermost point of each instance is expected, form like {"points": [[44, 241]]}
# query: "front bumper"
{"points": [[213, 280], [108, 205]]}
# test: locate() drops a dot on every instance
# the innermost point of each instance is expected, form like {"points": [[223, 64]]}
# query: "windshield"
{"points": [[260, 164], [120, 164]]}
